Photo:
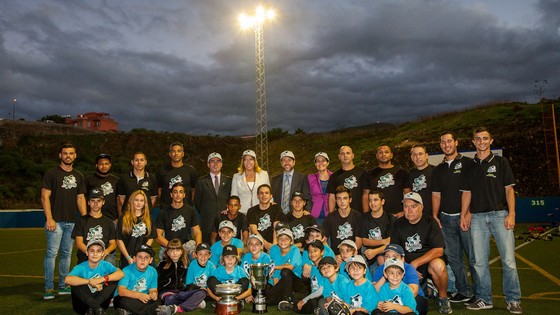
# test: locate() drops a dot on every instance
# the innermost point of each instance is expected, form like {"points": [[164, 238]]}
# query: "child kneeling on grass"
{"points": [[94, 281], [394, 295], [172, 271], [137, 291]]}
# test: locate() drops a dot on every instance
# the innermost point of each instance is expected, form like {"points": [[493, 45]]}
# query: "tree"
{"points": [[55, 118]]}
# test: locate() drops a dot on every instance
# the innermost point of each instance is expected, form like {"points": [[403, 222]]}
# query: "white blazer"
{"points": [[248, 193]]}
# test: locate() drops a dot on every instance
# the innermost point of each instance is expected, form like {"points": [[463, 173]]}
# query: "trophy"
{"points": [[228, 304], [259, 274]]}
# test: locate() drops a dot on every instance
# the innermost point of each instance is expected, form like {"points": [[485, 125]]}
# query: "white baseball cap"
{"points": [[214, 155], [249, 153], [413, 196], [287, 153]]}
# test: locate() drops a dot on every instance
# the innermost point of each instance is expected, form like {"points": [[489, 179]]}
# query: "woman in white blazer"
{"points": [[247, 180]]}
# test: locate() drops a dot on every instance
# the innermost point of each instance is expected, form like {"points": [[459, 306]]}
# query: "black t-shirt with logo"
{"points": [[91, 228], [350, 179], [264, 220], [337, 229], [107, 184], [417, 239], [420, 181], [392, 182], [65, 188], [177, 222]]}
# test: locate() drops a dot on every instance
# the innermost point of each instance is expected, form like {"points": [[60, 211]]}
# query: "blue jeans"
{"points": [[484, 225], [60, 238], [458, 242]]}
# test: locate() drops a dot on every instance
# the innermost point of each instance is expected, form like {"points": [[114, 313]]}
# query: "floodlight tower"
{"points": [[256, 22]]}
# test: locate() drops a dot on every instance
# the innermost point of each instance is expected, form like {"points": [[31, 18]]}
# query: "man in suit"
{"points": [[211, 194], [288, 182]]}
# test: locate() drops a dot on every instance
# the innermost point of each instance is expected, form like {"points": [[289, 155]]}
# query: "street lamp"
{"points": [[256, 22], [14, 109]]}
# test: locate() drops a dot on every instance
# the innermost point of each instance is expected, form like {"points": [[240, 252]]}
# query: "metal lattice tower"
{"points": [[262, 127]]}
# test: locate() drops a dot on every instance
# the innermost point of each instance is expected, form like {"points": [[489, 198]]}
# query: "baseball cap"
{"points": [[323, 154], [146, 249], [227, 224], [202, 246], [328, 260], [413, 196], [393, 262], [355, 259], [95, 241], [213, 155], [316, 243], [229, 250], [249, 153], [287, 153], [102, 156], [298, 194], [394, 247], [285, 231], [313, 227], [349, 243], [257, 237], [96, 193]]}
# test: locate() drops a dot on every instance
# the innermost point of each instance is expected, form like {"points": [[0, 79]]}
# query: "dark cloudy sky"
{"points": [[186, 65]]}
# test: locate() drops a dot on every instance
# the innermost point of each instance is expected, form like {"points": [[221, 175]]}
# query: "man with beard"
{"points": [[349, 176], [102, 178], [137, 179], [62, 196], [176, 172]]}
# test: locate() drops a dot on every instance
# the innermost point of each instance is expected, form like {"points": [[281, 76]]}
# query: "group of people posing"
{"points": [[374, 241]]}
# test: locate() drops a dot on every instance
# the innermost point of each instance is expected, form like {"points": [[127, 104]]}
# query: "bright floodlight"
{"points": [[261, 14]]}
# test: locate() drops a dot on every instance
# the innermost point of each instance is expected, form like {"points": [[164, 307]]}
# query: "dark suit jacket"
{"points": [[299, 183], [208, 204]]}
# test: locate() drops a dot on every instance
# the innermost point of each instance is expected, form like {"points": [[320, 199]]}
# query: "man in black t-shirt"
{"points": [[108, 183], [420, 176], [349, 176], [264, 217], [176, 172], [376, 230], [297, 220], [390, 179], [421, 238], [232, 214], [137, 179]]}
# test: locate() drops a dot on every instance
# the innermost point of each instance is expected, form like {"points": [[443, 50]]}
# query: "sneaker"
{"points": [[65, 291], [101, 311], [479, 305], [459, 298], [317, 311], [286, 306], [166, 310], [49, 294], [90, 312], [514, 308], [122, 311], [444, 306], [470, 301], [202, 305], [431, 290]]}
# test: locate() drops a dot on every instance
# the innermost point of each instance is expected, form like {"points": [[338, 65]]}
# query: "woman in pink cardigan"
{"points": [[318, 186]]}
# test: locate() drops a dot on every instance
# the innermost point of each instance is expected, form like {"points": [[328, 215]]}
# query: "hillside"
{"points": [[28, 150]]}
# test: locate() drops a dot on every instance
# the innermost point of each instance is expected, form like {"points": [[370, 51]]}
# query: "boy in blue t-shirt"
{"points": [[361, 296], [333, 283], [94, 281], [394, 295], [314, 232], [200, 269], [229, 271], [137, 292], [348, 249], [226, 231]]}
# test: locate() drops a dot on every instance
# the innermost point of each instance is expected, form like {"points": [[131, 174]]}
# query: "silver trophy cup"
{"points": [[228, 304], [259, 275]]}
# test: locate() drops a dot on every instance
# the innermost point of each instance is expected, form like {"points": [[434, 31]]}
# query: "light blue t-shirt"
{"points": [[342, 271], [248, 260], [217, 248], [402, 295], [224, 277], [305, 255], [338, 287], [316, 279], [198, 275], [139, 281], [293, 257], [83, 270], [363, 295]]}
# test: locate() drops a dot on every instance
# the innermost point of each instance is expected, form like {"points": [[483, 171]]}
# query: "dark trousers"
{"points": [[308, 307], [422, 305], [83, 299], [378, 312], [136, 307], [212, 282], [188, 300], [289, 286]]}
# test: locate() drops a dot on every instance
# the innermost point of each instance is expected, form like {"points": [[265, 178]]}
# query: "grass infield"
{"points": [[22, 277]]}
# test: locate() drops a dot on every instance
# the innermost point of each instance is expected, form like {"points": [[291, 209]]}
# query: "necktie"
{"points": [[216, 184], [286, 195]]}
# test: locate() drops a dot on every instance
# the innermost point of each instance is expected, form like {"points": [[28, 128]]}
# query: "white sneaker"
{"points": [[202, 305]]}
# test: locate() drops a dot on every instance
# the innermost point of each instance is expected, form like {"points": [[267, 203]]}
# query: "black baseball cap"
{"points": [[316, 243], [96, 193], [103, 156], [146, 249], [229, 250], [202, 246]]}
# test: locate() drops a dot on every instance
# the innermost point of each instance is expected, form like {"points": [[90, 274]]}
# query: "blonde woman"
{"points": [[135, 227], [247, 180]]}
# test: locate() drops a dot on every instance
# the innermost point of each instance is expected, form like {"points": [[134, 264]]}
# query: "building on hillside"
{"points": [[94, 121]]}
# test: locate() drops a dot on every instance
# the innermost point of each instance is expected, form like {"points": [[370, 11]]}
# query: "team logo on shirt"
{"points": [[351, 182], [139, 229], [314, 283], [178, 224], [146, 186], [141, 285], [356, 301], [95, 233], [107, 189], [457, 168], [397, 300], [374, 234], [264, 222], [201, 280], [491, 172], [298, 231], [93, 289], [175, 180], [344, 231], [413, 243], [386, 181], [419, 183], [69, 182]]}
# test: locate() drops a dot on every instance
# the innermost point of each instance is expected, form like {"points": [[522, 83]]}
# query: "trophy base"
{"points": [[228, 309], [259, 308]]}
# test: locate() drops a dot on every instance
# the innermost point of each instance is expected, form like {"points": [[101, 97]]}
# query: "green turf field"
{"points": [[22, 284]]}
